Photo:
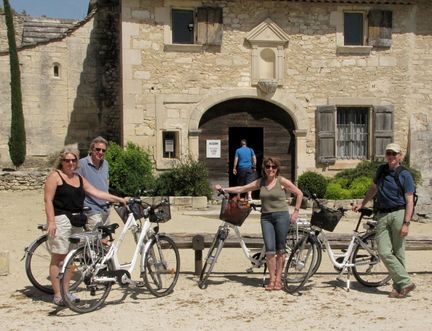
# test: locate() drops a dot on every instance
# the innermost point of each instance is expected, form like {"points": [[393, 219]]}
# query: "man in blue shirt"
{"points": [[95, 169], [395, 210], [245, 161]]}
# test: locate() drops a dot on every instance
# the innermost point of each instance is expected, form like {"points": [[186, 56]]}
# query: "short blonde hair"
{"points": [[66, 150]]}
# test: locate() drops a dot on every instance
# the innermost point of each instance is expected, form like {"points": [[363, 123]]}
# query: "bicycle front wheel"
{"points": [[300, 265], [90, 289], [162, 266], [37, 263], [211, 259], [369, 269]]}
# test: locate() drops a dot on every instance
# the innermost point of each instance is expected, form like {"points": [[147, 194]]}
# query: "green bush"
{"points": [[335, 191], [359, 187], [189, 178], [311, 182], [130, 169]]}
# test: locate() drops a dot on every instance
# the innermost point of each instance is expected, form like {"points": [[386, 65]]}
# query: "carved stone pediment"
{"points": [[268, 41]]}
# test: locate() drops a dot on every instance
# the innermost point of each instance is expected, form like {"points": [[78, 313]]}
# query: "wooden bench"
{"points": [[198, 242]]}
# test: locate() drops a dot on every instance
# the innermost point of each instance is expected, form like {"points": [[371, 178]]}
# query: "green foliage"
{"points": [[363, 169], [359, 187], [335, 191], [17, 139], [130, 169], [189, 178], [311, 182]]}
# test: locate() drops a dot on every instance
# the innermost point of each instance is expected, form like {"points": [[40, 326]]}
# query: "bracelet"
{"points": [[296, 209]]}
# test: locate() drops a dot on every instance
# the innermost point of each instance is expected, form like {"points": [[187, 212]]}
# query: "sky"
{"points": [[75, 9]]}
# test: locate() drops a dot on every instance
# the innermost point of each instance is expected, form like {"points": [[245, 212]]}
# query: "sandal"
{"points": [[277, 286], [270, 286]]}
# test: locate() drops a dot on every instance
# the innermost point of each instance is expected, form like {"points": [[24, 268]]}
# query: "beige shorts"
{"points": [[96, 219], [60, 243]]}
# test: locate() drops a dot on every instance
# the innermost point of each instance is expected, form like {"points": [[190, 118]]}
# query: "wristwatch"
{"points": [[407, 222]]}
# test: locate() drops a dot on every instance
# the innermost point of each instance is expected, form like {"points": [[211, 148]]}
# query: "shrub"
{"points": [[335, 191], [189, 178], [359, 187], [311, 182], [130, 169]]}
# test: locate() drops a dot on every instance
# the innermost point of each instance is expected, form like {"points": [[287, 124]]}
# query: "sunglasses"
{"points": [[69, 160], [97, 149], [268, 166], [391, 153]]}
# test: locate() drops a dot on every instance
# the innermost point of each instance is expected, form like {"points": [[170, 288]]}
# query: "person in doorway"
{"points": [[245, 165], [395, 210], [95, 169], [275, 219], [64, 194]]}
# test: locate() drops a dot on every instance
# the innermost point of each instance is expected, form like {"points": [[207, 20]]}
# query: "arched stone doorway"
{"points": [[268, 129]]}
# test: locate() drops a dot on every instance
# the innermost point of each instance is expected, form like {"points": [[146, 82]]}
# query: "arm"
{"points": [[241, 189], [49, 192], [409, 210], [254, 162], [94, 192], [235, 165], [298, 194], [369, 196]]}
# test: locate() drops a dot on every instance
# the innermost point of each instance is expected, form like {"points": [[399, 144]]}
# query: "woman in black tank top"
{"points": [[64, 194]]}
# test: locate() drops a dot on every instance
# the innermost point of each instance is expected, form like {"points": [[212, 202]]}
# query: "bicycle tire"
{"points": [[88, 289], [375, 273], [294, 236], [300, 264], [37, 263], [212, 256], [162, 266]]}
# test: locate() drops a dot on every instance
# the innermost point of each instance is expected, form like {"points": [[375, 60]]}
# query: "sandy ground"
{"points": [[234, 299]]}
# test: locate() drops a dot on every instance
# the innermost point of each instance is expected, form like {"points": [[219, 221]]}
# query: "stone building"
{"points": [[320, 84]]}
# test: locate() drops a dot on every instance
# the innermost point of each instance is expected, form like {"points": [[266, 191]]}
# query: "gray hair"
{"points": [[97, 140]]}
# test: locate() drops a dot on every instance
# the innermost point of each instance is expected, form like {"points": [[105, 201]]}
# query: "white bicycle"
{"points": [[97, 266]]}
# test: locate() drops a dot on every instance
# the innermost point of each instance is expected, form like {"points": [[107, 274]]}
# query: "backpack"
{"points": [[383, 170]]}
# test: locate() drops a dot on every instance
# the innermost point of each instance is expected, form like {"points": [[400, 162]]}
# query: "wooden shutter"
{"points": [[383, 129], [326, 134], [210, 26], [380, 24]]}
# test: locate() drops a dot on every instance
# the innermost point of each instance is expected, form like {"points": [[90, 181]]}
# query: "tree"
{"points": [[17, 139]]}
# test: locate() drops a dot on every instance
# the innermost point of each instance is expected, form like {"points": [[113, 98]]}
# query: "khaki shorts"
{"points": [[60, 243], [96, 219]]}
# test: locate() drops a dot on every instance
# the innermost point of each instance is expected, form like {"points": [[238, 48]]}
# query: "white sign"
{"points": [[213, 149], [169, 145]]}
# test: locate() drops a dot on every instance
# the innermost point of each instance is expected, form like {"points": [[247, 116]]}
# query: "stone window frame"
{"points": [[341, 48], [56, 70], [175, 134]]}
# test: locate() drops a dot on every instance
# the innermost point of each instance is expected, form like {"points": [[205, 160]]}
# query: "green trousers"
{"points": [[391, 247]]}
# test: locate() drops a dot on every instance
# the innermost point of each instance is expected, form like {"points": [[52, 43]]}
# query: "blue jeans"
{"points": [[275, 228]]}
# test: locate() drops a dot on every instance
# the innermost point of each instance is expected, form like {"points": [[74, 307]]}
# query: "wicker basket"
{"points": [[326, 219], [234, 211]]}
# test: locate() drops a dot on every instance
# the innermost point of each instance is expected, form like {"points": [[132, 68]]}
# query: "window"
{"points": [[170, 140], [353, 133], [56, 70], [353, 29], [182, 26]]}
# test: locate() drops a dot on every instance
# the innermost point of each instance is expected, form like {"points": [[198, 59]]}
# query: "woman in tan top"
{"points": [[275, 219]]}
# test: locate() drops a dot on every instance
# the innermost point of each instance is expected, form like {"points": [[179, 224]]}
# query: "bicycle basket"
{"points": [[326, 218], [234, 211], [162, 213], [123, 212]]}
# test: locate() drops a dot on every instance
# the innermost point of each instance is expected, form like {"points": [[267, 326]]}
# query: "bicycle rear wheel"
{"points": [[162, 266], [90, 292], [211, 259], [37, 263], [300, 265], [369, 269]]}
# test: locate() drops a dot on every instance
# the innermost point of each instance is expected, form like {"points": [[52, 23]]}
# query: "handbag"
{"points": [[77, 219]]}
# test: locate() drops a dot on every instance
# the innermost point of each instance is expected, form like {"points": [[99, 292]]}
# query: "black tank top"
{"points": [[68, 199]]}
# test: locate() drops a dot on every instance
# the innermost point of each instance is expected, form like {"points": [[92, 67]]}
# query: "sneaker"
{"points": [[58, 301], [73, 298]]}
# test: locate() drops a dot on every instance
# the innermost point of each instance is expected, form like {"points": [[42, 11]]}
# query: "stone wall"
{"points": [[82, 102], [22, 180]]}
